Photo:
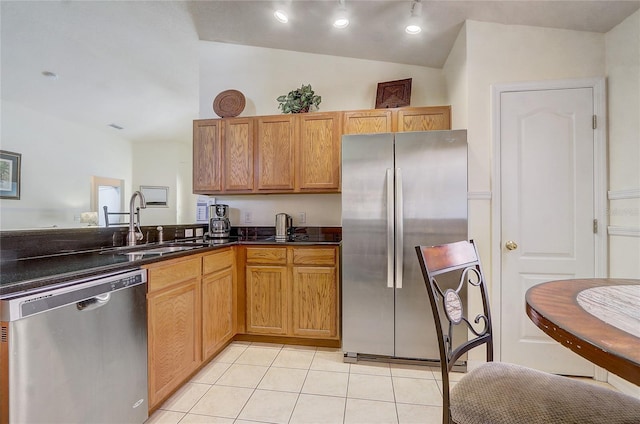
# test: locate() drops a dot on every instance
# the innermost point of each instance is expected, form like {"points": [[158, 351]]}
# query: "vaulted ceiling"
{"points": [[135, 63]]}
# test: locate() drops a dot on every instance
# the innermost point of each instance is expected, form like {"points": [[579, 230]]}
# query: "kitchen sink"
{"points": [[157, 251], [141, 251]]}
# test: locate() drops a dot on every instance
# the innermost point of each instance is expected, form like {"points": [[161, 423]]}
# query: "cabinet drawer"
{"points": [[306, 256], [267, 255], [172, 272], [217, 261]]}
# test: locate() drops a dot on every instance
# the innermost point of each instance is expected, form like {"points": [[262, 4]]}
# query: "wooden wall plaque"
{"points": [[393, 94]]}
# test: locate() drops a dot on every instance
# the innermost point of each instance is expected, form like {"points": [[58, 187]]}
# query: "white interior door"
{"points": [[547, 210]]}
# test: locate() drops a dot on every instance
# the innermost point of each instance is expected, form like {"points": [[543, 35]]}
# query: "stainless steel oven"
{"points": [[78, 353]]}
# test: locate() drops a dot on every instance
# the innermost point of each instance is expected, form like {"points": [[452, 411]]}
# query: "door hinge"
{"points": [[595, 226], [595, 122]]}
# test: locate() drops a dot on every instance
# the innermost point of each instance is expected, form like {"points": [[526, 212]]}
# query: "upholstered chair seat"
{"points": [[498, 392]]}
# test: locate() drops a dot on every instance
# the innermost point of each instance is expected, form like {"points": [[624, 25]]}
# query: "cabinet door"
{"points": [[207, 156], [173, 337], [238, 154], [318, 162], [217, 311], [367, 121], [276, 154], [315, 304], [267, 299], [424, 118]]}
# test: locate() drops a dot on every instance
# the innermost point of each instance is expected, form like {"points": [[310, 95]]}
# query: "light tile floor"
{"points": [[268, 383], [254, 383]]}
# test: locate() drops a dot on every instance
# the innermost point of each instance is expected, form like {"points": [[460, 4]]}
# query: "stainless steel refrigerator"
{"points": [[399, 190]]}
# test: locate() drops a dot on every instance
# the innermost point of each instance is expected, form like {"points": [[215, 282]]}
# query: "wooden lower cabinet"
{"points": [[292, 291], [314, 300], [191, 315], [218, 301], [267, 299], [173, 325]]}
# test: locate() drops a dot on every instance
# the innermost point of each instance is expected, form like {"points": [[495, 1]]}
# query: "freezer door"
{"points": [[367, 244], [432, 196]]}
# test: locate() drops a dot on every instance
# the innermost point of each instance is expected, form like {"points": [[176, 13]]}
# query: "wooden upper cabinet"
{"points": [[367, 121], [275, 149], [318, 164], [297, 153], [207, 156], [238, 134], [424, 118]]}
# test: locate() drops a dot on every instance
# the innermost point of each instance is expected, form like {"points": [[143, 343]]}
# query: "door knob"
{"points": [[511, 245]]}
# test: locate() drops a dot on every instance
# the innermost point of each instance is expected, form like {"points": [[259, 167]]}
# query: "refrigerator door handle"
{"points": [[390, 219], [399, 239]]}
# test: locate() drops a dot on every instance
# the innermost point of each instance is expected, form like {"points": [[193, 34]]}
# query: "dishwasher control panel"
{"points": [[23, 305]]}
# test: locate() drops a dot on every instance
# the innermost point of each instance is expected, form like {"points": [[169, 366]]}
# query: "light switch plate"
{"points": [[188, 232], [199, 232]]}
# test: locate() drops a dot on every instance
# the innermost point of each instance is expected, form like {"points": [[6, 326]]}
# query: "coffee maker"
{"points": [[219, 224]]}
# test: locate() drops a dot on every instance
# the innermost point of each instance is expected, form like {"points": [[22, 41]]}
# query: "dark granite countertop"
{"points": [[23, 274]]}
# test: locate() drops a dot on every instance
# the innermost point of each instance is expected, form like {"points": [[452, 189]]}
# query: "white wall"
{"points": [[263, 74], [623, 72], [485, 54], [455, 73], [168, 164], [320, 209], [499, 53], [58, 160]]}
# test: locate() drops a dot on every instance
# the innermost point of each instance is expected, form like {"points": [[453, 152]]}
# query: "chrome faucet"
{"points": [[134, 235]]}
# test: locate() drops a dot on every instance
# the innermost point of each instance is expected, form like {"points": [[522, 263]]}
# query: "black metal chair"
{"points": [[498, 392], [109, 222]]}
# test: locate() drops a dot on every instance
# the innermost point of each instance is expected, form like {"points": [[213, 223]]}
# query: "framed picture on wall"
{"points": [[10, 175], [156, 196]]}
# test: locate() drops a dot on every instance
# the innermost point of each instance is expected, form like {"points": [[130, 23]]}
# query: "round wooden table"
{"points": [[599, 319]]}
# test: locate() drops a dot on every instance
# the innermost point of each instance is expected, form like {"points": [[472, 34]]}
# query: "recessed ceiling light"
{"points": [[50, 75], [413, 29], [281, 16]]}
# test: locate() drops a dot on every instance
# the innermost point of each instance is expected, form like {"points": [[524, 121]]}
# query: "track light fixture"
{"points": [[281, 16], [413, 27], [342, 18]]}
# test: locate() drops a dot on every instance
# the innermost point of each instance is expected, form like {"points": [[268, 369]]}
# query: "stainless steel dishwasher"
{"points": [[78, 353]]}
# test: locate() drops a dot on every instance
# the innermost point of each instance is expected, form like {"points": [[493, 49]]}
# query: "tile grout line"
{"points": [[301, 387], [255, 388]]}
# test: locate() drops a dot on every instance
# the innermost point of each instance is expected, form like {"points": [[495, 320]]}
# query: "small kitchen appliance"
{"points": [[219, 224], [284, 223]]}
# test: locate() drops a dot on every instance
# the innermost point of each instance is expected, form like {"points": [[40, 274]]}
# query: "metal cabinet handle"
{"points": [[511, 245]]}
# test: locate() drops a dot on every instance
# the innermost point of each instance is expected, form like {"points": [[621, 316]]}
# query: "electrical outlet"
{"points": [[199, 232], [302, 217], [248, 218], [188, 232]]}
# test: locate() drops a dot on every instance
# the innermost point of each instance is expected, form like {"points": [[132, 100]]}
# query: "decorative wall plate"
{"points": [[229, 103]]}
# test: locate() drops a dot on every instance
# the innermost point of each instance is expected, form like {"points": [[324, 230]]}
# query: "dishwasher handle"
{"points": [[94, 302]]}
